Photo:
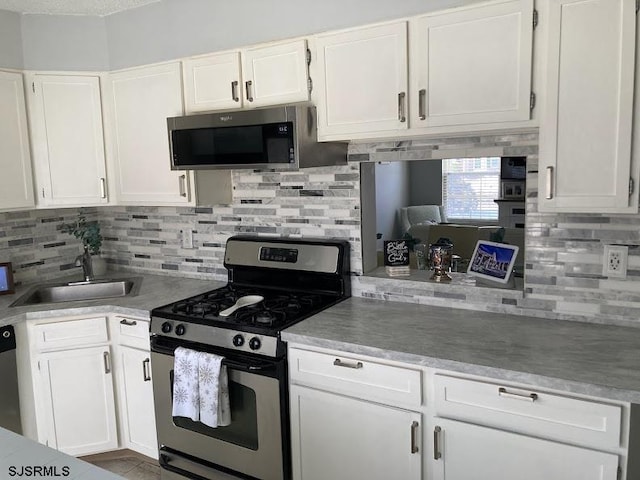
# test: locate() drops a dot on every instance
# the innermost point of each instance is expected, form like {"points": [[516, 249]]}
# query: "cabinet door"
{"points": [[585, 127], [276, 74], [343, 438], [468, 451], [212, 82], [142, 100], [16, 183], [137, 401], [362, 81], [67, 139], [77, 390], [473, 65]]}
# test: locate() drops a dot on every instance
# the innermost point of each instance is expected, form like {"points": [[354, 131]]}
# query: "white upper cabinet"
{"points": [[141, 101], [276, 74], [16, 187], [254, 77], [586, 122], [472, 65], [65, 115], [212, 82], [362, 81]]}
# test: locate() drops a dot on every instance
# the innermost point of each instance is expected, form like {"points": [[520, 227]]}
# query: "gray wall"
{"points": [[392, 193], [425, 182], [10, 40], [59, 42]]}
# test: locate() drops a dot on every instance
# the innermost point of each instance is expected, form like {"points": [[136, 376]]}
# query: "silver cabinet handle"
{"points": [[436, 443], [182, 185], [414, 437], [401, 101], [422, 104], [128, 323], [339, 363], [530, 397], [549, 183], [107, 362], [103, 187], [247, 86], [234, 91], [146, 374]]}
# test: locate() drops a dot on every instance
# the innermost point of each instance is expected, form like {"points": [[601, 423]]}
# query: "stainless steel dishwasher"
{"points": [[9, 400]]}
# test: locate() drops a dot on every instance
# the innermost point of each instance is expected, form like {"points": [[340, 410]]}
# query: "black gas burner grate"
{"points": [[277, 308]]}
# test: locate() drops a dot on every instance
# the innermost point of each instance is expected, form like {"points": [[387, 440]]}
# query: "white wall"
{"points": [[10, 40], [64, 42]]}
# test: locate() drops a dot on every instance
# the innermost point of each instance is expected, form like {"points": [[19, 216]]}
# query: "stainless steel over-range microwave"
{"points": [[275, 137]]}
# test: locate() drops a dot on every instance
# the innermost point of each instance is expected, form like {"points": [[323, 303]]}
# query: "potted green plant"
{"points": [[88, 232]]}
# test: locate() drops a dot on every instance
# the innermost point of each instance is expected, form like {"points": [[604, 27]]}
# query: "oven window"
{"points": [[243, 430]]}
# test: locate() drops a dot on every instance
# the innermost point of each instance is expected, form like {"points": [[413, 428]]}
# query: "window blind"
{"points": [[469, 188]]}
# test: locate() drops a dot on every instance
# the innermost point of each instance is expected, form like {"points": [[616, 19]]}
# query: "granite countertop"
{"points": [[585, 358], [21, 456], [155, 291]]}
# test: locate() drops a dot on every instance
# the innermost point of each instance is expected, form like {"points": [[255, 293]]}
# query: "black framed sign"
{"points": [[396, 253], [6, 278]]}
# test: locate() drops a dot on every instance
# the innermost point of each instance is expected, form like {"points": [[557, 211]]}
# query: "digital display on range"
{"points": [[285, 255]]}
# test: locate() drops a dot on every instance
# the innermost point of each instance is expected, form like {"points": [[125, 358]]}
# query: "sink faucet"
{"points": [[84, 261]]}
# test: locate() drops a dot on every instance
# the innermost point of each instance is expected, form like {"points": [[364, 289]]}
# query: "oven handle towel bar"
{"points": [[164, 463], [247, 367]]}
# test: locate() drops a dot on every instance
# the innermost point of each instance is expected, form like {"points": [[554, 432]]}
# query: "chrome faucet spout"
{"points": [[84, 261]]}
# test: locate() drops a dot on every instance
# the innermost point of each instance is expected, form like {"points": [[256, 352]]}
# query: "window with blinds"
{"points": [[469, 188]]}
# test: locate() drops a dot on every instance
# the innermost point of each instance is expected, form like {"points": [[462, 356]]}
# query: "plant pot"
{"points": [[99, 265]]}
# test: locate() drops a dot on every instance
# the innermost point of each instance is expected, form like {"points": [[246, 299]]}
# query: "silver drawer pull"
{"points": [[128, 323], [234, 91], [339, 363], [414, 437], [146, 375], [530, 397], [107, 362], [422, 107], [401, 107], [436, 443], [549, 185]]}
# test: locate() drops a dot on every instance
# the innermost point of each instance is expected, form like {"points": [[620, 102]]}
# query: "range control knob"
{"points": [[255, 343], [166, 327], [238, 340], [180, 329]]}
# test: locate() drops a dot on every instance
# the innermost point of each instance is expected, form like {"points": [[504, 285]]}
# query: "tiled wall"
{"points": [[563, 252], [32, 242], [314, 202]]}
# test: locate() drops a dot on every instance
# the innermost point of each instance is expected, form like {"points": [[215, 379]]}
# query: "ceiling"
{"points": [[71, 7]]}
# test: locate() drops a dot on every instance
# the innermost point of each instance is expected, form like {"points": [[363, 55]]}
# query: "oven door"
{"points": [[253, 444]]}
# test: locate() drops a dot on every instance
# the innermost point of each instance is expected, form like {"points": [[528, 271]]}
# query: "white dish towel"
{"points": [[200, 388]]}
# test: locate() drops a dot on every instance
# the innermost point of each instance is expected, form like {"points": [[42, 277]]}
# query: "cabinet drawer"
{"points": [[70, 333], [133, 332], [529, 411], [357, 377]]}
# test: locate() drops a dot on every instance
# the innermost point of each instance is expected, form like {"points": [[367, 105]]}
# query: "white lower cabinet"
{"points": [[134, 385], [466, 452], [351, 417], [78, 400], [345, 438], [85, 384], [138, 417]]}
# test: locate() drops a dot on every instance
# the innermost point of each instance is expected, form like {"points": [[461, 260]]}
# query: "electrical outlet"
{"points": [[187, 238], [615, 261]]}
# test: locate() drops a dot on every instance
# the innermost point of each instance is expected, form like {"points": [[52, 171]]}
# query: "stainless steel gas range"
{"points": [[295, 278]]}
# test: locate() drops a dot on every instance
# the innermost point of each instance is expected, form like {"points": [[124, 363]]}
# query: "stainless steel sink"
{"points": [[78, 291]]}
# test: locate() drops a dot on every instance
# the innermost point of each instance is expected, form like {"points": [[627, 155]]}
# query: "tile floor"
{"points": [[128, 464]]}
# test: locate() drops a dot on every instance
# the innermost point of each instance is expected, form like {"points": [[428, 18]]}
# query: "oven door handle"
{"points": [[164, 463], [247, 367]]}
